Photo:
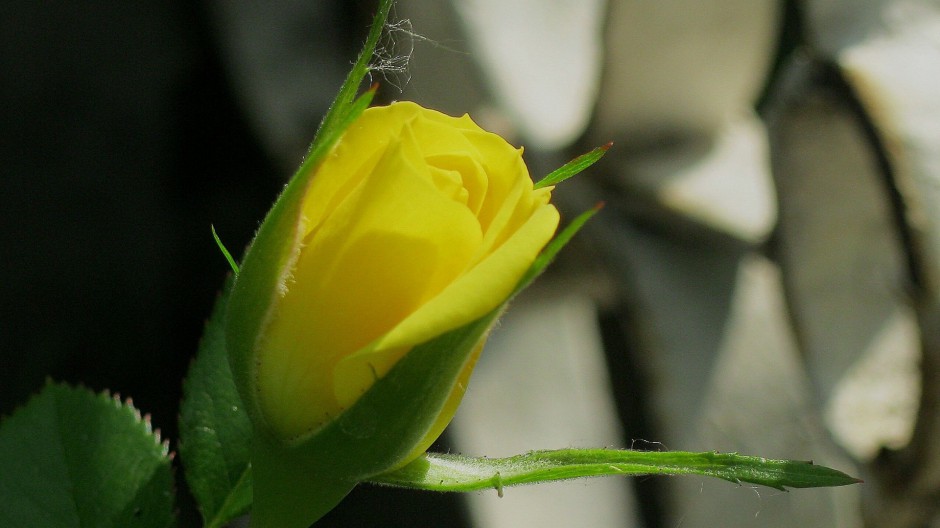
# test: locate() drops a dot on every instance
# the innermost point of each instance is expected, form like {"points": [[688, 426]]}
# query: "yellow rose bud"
{"points": [[415, 224]]}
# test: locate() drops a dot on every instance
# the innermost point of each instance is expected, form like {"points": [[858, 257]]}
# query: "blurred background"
{"points": [[764, 277]]}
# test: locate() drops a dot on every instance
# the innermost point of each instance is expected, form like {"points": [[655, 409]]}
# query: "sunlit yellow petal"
{"points": [[385, 261], [415, 224], [481, 289]]}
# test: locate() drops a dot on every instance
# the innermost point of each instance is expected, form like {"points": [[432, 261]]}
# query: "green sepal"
{"points": [[573, 167], [374, 435], [225, 252], [291, 491], [338, 117], [276, 243], [439, 472]]}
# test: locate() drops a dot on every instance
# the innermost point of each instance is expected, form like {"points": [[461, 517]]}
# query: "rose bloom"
{"points": [[415, 224]]}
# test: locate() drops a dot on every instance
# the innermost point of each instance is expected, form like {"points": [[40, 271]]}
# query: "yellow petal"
{"points": [[480, 290], [376, 261]]}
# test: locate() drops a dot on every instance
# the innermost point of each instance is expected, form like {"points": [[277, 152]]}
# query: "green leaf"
{"points": [[73, 458], [215, 432], [573, 167], [438, 472]]}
